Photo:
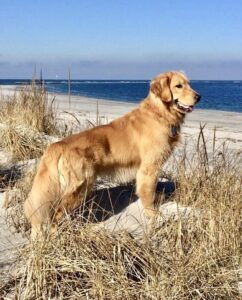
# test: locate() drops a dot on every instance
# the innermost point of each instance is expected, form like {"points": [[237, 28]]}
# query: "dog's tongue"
{"points": [[185, 108], [189, 109]]}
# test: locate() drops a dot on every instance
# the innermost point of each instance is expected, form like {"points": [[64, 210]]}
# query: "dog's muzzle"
{"points": [[187, 108], [183, 107]]}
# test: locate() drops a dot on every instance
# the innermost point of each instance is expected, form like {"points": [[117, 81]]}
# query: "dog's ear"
{"points": [[160, 86]]}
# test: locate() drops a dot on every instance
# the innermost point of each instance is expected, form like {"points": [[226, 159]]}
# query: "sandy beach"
{"points": [[228, 129], [228, 124]]}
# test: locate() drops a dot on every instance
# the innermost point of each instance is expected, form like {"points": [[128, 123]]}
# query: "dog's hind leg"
{"points": [[71, 201], [76, 176], [40, 204]]}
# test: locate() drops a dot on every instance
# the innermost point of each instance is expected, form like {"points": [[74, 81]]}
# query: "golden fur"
{"points": [[131, 147]]}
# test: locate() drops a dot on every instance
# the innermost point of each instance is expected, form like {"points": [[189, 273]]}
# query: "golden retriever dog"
{"points": [[131, 147]]}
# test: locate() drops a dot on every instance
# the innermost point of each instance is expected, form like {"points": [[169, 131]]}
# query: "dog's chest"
{"points": [[120, 174]]}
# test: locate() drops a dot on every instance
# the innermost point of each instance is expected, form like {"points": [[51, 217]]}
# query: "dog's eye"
{"points": [[179, 86]]}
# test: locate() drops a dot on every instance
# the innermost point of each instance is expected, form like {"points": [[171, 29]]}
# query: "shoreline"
{"points": [[228, 124], [10, 89], [212, 110]]}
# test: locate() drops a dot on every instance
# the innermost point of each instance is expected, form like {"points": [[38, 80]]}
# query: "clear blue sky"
{"points": [[121, 39]]}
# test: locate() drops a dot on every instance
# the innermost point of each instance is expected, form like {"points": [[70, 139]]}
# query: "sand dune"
{"points": [[228, 129]]}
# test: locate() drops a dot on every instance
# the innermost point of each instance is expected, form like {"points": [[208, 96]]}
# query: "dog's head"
{"points": [[174, 90]]}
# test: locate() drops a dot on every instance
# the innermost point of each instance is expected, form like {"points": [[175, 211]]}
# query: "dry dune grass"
{"points": [[29, 107], [26, 117], [193, 258], [22, 143]]}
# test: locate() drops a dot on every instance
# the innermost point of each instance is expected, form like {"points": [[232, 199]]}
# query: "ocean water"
{"points": [[218, 95]]}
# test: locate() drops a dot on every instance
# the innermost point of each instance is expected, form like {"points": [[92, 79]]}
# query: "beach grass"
{"points": [[184, 258], [26, 117]]}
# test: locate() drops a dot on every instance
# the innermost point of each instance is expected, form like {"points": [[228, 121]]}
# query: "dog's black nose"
{"points": [[197, 97]]}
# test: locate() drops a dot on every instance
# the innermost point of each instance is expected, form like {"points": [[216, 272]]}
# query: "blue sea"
{"points": [[218, 95]]}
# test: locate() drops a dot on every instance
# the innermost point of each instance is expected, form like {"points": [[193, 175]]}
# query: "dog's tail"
{"points": [[40, 205]]}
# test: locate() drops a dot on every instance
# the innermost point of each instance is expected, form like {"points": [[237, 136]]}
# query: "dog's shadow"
{"points": [[106, 202]]}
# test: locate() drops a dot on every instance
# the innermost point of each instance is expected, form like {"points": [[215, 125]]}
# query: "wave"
{"points": [[22, 82], [53, 82], [99, 82], [107, 82]]}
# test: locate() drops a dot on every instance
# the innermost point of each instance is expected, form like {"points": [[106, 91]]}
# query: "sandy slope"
{"points": [[8, 241]]}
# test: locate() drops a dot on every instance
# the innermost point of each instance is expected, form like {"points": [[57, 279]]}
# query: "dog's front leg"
{"points": [[146, 181]]}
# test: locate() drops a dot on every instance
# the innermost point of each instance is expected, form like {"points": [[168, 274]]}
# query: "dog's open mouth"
{"points": [[183, 107]]}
